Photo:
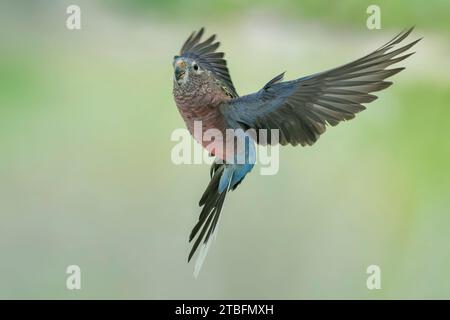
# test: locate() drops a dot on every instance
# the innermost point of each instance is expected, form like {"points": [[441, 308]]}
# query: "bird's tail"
{"points": [[224, 177]]}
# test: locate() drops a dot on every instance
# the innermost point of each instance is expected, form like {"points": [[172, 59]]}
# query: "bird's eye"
{"points": [[195, 66]]}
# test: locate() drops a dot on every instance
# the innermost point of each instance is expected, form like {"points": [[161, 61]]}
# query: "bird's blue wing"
{"points": [[302, 108]]}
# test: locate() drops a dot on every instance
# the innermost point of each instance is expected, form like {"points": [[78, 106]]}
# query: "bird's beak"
{"points": [[180, 69]]}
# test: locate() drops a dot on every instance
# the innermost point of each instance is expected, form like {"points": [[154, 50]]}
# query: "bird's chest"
{"points": [[201, 105], [201, 117], [200, 111], [206, 125]]}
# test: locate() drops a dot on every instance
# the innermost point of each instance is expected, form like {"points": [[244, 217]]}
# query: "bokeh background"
{"points": [[86, 176]]}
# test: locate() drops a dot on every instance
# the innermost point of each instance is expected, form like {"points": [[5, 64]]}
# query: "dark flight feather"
{"points": [[302, 108]]}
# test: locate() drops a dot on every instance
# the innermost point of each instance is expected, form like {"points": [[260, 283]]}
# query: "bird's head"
{"points": [[200, 66], [186, 70]]}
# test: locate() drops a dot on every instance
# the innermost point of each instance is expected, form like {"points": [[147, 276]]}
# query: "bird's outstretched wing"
{"points": [[204, 53], [301, 108]]}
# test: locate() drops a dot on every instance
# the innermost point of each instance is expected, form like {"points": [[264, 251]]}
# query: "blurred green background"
{"points": [[86, 176]]}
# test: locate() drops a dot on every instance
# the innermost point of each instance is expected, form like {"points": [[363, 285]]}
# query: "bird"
{"points": [[300, 110]]}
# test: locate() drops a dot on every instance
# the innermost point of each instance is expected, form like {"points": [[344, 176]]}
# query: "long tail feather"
{"points": [[212, 202]]}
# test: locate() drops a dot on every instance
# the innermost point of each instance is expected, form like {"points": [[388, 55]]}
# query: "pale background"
{"points": [[86, 176]]}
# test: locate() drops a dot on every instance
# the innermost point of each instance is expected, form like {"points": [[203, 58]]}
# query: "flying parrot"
{"points": [[299, 109]]}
